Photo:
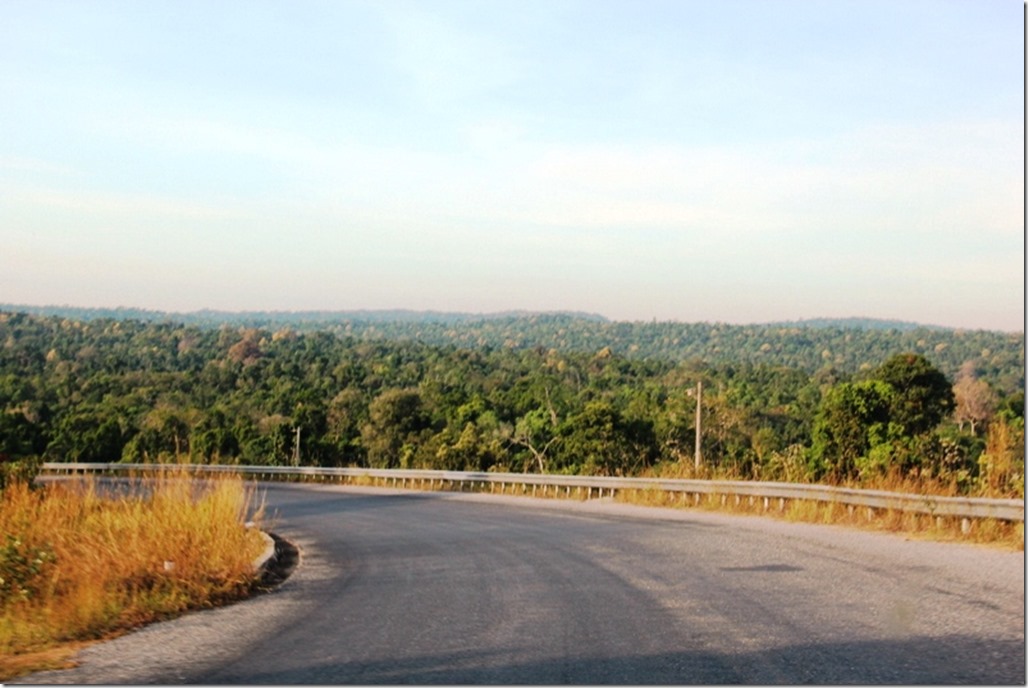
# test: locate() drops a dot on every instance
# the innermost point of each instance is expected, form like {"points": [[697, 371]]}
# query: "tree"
{"points": [[602, 442], [214, 438], [89, 434], [164, 433], [853, 418], [396, 418], [19, 436], [922, 394], [975, 400], [308, 429], [536, 432], [473, 450], [346, 412]]}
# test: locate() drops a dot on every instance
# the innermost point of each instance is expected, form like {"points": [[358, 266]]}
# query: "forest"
{"points": [[848, 345], [561, 393]]}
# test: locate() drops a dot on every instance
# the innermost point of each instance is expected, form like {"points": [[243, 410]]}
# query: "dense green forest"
{"points": [[519, 392], [848, 345]]}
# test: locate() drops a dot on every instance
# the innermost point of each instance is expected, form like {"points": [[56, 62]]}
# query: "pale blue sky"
{"points": [[729, 160]]}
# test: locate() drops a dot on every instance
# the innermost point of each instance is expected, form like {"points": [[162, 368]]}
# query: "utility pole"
{"points": [[296, 448], [698, 457]]}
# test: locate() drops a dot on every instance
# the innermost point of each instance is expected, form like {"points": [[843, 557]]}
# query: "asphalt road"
{"points": [[397, 587]]}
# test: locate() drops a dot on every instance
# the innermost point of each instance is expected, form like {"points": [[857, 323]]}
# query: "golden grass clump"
{"points": [[78, 562], [983, 531]]}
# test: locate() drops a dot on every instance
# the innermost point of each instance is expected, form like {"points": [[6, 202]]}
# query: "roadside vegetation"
{"points": [[994, 532], [893, 407], [945, 414], [81, 561]]}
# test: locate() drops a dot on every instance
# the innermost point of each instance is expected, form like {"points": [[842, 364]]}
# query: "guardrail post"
{"points": [[965, 526]]}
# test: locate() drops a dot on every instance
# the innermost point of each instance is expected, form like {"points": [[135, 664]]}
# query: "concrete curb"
{"points": [[267, 556]]}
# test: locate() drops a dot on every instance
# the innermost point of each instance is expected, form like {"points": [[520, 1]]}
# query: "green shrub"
{"points": [[23, 569], [23, 470]]}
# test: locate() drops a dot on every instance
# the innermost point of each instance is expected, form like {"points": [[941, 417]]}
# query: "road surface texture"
{"points": [[406, 587]]}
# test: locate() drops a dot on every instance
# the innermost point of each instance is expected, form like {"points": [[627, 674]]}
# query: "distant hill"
{"points": [[858, 324], [296, 318], [259, 318], [267, 318]]}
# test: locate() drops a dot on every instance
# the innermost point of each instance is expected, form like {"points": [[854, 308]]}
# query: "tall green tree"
{"points": [[396, 419], [922, 397], [853, 418], [603, 442], [536, 432]]}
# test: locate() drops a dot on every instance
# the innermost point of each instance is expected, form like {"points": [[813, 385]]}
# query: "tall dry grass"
{"points": [[78, 563], [984, 531]]}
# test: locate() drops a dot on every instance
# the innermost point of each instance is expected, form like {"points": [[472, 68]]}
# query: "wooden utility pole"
{"points": [[296, 448], [698, 457]]}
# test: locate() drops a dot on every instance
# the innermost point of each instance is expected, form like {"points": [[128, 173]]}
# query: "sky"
{"points": [[736, 161]]}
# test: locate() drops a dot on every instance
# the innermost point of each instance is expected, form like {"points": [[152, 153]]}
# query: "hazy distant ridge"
{"points": [[262, 318], [858, 324]]}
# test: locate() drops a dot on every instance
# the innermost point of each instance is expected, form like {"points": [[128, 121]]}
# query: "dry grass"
{"points": [[78, 565], [982, 531], [60, 656], [922, 526]]}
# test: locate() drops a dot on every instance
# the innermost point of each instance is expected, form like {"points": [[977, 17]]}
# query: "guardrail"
{"points": [[766, 494]]}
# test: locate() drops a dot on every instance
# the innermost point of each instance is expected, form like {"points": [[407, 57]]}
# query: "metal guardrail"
{"points": [[771, 494]]}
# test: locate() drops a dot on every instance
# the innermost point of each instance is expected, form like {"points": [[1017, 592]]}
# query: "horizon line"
{"points": [[485, 315]]}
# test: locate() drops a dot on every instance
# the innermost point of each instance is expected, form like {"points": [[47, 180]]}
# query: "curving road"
{"points": [[399, 587]]}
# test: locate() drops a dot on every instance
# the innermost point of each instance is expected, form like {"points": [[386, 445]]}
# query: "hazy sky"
{"points": [[715, 160]]}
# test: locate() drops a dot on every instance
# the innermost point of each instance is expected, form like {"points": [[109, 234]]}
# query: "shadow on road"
{"points": [[944, 660]]}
